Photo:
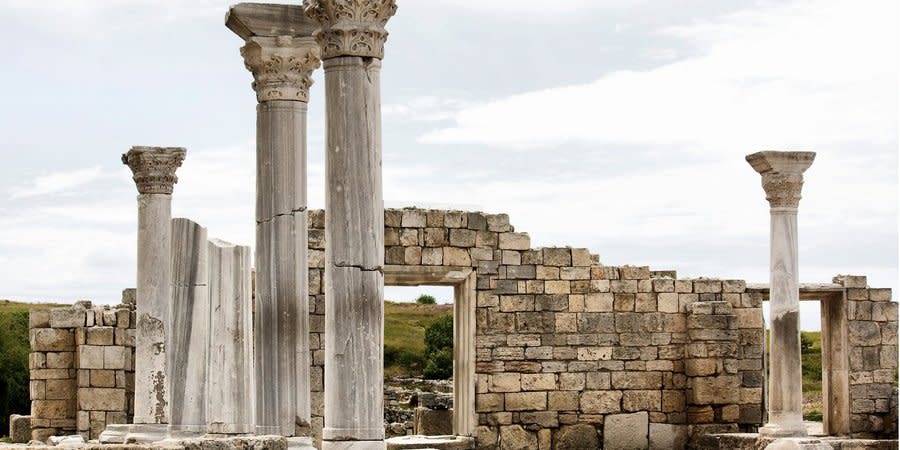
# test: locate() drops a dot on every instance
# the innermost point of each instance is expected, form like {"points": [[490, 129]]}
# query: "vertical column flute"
{"points": [[281, 53], [352, 40]]}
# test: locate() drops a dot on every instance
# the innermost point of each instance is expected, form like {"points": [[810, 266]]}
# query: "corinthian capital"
{"points": [[281, 66], [154, 168], [782, 175], [351, 27]]}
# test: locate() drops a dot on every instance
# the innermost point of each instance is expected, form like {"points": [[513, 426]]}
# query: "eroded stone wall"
{"points": [[872, 324], [569, 353], [82, 368]]}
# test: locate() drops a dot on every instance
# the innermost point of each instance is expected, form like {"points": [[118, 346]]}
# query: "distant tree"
{"points": [[426, 299], [14, 350], [805, 342], [439, 348]]}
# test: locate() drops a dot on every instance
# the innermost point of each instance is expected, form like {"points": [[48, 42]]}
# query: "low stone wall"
{"points": [[82, 368], [568, 352], [873, 358]]}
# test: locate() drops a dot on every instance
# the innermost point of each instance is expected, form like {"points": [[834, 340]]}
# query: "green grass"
{"points": [[10, 305], [404, 335]]}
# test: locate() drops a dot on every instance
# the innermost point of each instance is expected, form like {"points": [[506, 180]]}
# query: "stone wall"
{"points": [[82, 368], [569, 352], [873, 358]]}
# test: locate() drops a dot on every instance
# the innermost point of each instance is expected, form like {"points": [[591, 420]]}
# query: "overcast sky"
{"points": [[616, 125]]}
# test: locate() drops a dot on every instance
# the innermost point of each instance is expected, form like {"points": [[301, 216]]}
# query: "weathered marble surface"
{"points": [[782, 180], [354, 255], [281, 53], [231, 378], [352, 40], [154, 174], [189, 334]]}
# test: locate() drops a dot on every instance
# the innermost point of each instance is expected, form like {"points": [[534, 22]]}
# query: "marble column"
{"points": [[281, 53], [782, 180], [231, 378], [154, 173], [352, 39], [190, 324]]}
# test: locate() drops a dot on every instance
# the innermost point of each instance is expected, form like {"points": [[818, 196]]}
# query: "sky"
{"points": [[616, 125]]}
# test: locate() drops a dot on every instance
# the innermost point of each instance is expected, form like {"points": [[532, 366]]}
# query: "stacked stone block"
{"points": [[82, 368], [569, 350], [872, 320]]}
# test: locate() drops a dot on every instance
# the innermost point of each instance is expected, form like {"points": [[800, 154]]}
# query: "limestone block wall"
{"points": [[82, 368], [872, 320]]}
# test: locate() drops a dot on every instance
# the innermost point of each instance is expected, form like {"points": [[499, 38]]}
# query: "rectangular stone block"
{"points": [[101, 399], [100, 335], [601, 402], [51, 340], [71, 317], [514, 241], [526, 401], [636, 380], [90, 357], [626, 431]]}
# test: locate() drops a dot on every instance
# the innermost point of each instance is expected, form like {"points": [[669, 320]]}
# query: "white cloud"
{"points": [[784, 76], [57, 182]]}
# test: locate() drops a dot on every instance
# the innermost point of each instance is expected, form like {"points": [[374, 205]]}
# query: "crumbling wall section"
{"points": [[872, 320], [82, 368]]}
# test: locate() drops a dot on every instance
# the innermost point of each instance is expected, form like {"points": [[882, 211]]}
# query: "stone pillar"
{"points": [[281, 53], [782, 179], [189, 335], [352, 39], [154, 173], [231, 378]]}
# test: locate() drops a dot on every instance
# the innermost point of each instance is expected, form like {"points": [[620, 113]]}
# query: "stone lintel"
{"points": [[154, 167], [269, 20], [782, 176]]}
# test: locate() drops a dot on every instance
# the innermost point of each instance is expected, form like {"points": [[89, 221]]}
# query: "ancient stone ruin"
{"points": [[552, 348]]}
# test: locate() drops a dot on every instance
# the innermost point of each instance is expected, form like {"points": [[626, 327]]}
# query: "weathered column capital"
{"points": [[351, 27], [282, 66], [280, 49], [154, 168], [782, 176]]}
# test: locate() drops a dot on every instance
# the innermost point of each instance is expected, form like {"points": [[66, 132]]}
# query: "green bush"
{"points": [[439, 348], [426, 299], [13, 366]]}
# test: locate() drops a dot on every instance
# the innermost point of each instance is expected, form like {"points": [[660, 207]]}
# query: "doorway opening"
{"points": [[432, 311], [824, 359]]}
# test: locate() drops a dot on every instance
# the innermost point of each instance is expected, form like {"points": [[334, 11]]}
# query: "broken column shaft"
{"points": [[352, 40], [782, 179], [154, 174]]}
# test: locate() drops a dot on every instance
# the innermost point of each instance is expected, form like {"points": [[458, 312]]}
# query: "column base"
{"points": [[354, 445], [142, 433], [115, 433], [300, 443], [778, 430], [186, 431]]}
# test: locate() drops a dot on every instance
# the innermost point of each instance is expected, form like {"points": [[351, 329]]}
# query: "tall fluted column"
{"points": [[352, 39], [281, 53], [782, 179], [154, 173]]}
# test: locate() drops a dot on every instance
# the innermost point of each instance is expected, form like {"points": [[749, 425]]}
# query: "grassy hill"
{"points": [[404, 335]]}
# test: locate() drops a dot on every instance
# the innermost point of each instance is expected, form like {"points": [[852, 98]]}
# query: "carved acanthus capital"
{"points": [[154, 168], [782, 175], [282, 66], [351, 27]]}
